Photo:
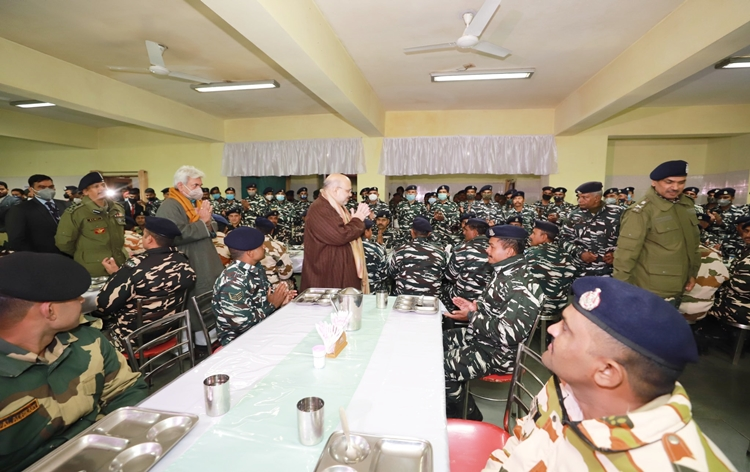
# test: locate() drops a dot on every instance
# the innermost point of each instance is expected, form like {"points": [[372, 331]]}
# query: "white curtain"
{"points": [[535, 155], [299, 157]]}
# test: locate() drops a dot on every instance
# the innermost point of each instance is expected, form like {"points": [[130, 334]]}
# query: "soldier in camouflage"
{"points": [[243, 297], [733, 298], [152, 203], [499, 320], [470, 193], [376, 206], [230, 202], [377, 265], [726, 218], [58, 375], [253, 206], [527, 213], [550, 266], [468, 271], [161, 271], [276, 262], [559, 207], [409, 209], [300, 209], [386, 236], [217, 201], [693, 192], [417, 267], [708, 238], [695, 303], [287, 215], [487, 209], [590, 234], [541, 205], [298, 230], [444, 217], [615, 404]]}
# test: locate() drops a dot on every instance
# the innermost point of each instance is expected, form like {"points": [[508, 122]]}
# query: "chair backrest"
{"points": [[169, 343], [526, 383], [470, 443], [203, 311]]}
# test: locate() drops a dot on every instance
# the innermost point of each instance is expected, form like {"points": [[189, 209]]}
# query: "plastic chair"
{"points": [[470, 444], [741, 335], [525, 384], [169, 343], [203, 311]]}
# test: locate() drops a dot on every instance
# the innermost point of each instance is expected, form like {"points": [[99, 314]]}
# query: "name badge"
{"points": [[19, 415]]}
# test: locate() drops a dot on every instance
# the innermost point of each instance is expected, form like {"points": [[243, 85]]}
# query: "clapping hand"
{"points": [[362, 212], [278, 296], [464, 307], [588, 257]]}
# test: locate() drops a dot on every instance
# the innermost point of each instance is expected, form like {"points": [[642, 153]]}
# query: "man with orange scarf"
{"points": [[192, 215], [334, 256]]}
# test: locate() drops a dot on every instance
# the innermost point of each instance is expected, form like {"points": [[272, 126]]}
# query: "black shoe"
{"points": [[473, 413]]}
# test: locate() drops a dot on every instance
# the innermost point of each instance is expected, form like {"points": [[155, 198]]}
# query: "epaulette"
{"points": [[74, 206], [638, 207]]}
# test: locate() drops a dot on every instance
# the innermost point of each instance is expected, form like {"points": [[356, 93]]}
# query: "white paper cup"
{"points": [[319, 356]]}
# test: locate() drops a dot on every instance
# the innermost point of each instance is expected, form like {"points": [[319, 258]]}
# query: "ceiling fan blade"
{"points": [[483, 16], [492, 49], [431, 47], [155, 51], [188, 77], [138, 70]]}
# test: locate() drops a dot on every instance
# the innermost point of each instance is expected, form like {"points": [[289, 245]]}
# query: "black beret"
{"points": [[135, 190], [630, 189], [129, 223], [519, 193], [165, 190], [623, 310], [205, 189], [742, 221], [90, 179], [149, 190], [373, 189], [713, 190], [669, 169], [244, 239], [215, 188], [252, 185], [691, 189], [429, 194], [233, 210], [623, 190], [71, 188], [508, 193], [486, 187], [470, 187], [368, 223], [272, 213], [264, 223], [281, 190], [410, 187], [267, 190], [514, 219], [476, 221], [612, 190], [422, 225], [42, 277], [301, 189], [561, 189], [590, 187], [726, 191], [220, 219], [466, 216], [444, 187], [383, 214], [547, 227], [229, 189], [548, 188], [162, 227], [507, 232], [364, 190]]}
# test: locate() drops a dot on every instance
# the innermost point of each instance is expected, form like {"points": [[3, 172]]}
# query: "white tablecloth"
{"points": [[400, 394]]}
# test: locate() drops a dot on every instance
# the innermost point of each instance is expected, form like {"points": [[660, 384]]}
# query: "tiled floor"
{"points": [[719, 392]]}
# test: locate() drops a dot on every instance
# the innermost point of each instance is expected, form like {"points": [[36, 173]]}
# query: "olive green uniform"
{"points": [[658, 245], [91, 233]]}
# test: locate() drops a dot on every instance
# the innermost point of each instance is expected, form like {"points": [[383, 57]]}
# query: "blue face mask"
{"points": [[280, 197], [432, 200], [410, 197], [443, 196], [216, 196], [303, 197], [230, 196]]}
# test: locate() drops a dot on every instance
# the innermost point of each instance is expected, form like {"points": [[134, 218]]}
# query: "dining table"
{"points": [[389, 378]]}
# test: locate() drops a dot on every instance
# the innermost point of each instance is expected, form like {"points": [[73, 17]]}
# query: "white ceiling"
{"points": [[567, 41], [57, 113]]}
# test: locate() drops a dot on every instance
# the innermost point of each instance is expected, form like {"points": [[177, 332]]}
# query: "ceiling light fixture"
{"points": [[232, 86], [458, 76], [734, 63], [31, 104]]}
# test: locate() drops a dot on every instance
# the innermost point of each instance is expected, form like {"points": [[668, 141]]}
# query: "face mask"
{"points": [[230, 196], [280, 197], [443, 196], [195, 194], [546, 198], [303, 197], [372, 197], [251, 193], [630, 197], [722, 202], [151, 199], [133, 199], [410, 197], [559, 199], [46, 194], [610, 201], [623, 200], [432, 200], [470, 196], [215, 196], [486, 197], [711, 200], [269, 197]]}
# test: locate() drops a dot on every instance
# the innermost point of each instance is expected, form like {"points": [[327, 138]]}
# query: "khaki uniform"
{"points": [[658, 245], [91, 233]]}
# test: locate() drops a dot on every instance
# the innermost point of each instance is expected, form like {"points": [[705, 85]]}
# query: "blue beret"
{"points": [[244, 239], [410, 187], [233, 210], [229, 189], [368, 223], [509, 192], [301, 189], [714, 190], [507, 232], [267, 190], [476, 221], [90, 179], [486, 187], [264, 223], [669, 169], [383, 214], [272, 213], [371, 189], [547, 227], [252, 185], [162, 227], [639, 319], [561, 189], [612, 190], [519, 193], [422, 225], [444, 187], [623, 190], [725, 191], [691, 189], [514, 219], [548, 188], [281, 190], [42, 277], [220, 219], [590, 187], [470, 187], [466, 216]]}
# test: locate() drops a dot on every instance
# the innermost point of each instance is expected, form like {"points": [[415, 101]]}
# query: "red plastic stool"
{"points": [[470, 444]]}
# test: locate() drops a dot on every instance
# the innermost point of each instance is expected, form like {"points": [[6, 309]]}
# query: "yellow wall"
{"points": [[640, 156]]}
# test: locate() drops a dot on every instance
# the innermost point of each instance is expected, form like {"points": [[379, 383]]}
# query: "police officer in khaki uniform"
{"points": [[659, 237], [94, 229]]}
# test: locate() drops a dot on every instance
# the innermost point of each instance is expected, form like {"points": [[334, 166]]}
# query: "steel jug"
{"points": [[349, 301]]}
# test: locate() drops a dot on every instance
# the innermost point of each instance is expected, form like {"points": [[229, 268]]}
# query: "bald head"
{"points": [[338, 187], [336, 180]]}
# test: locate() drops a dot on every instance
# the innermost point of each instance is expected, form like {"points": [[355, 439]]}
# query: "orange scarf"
{"points": [[186, 205], [358, 249]]}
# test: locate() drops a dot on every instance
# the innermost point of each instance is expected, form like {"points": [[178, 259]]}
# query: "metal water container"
{"points": [[349, 300]]}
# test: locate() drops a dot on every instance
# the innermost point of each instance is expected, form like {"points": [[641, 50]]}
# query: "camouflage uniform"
{"points": [[593, 232], [46, 400], [528, 215], [217, 206], [151, 207], [287, 215], [444, 230], [552, 268], [506, 311], [158, 272], [662, 437], [352, 205], [298, 233], [377, 266], [711, 239], [376, 208], [468, 271], [405, 213], [563, 211], [391, 238], [540, 207], [712, 273], [277, 263], [256, 206], [417, 268], [240, 300], [733, 298], [491, 211], [732, 244]]}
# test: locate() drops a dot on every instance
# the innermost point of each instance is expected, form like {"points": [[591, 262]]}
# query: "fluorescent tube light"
{"points": [[232, 86], [734, 63], [459, 76], [31, 104]]}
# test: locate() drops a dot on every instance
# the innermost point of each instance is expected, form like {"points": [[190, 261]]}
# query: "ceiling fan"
{"points": [[155, 56], [475, 25]]}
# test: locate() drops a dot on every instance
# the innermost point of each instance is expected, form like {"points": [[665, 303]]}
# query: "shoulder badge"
{"points": [[637, 208], [130, 263], [235, 297]]}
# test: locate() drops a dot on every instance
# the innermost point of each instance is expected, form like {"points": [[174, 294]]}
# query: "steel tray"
{"points": [[128, 439], [421, 304], [375, 454], [316, 296]]}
